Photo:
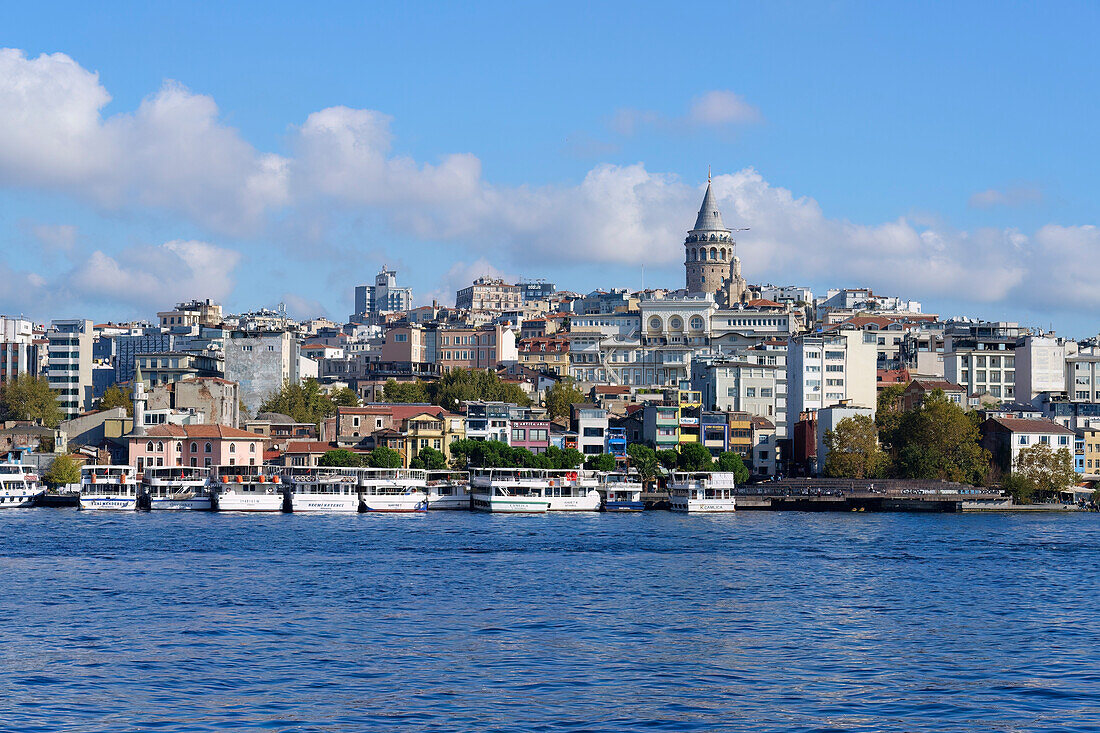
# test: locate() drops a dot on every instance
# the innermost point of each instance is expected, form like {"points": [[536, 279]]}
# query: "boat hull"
{"points": [[232, 502], [510, 505], [323, 504], [624, 506], [702, 506], [588, 503], [109, 503], [396, 504], [20, 499], [194, 503], [461, 501]]}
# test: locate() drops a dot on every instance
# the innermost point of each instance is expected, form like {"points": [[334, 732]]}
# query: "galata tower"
{"points": [[708, 249]]}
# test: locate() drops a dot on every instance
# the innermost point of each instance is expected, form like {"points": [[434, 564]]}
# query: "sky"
{"points": [[283, 152]]}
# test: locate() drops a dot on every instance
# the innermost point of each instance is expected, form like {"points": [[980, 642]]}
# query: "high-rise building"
{"points": [[261, 362], [383, 297], [70, 364]]}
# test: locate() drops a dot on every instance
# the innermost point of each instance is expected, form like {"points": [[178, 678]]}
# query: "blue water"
{"points": [[455, 621]]}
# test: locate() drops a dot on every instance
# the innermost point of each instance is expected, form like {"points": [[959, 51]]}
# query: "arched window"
{"points": [[208, 448], [722, 252], [697, 323], [655, 323], [160, 446], [179, 447], [714, 253], [675, 323], [149, 446], [251, 447], [232, 447], [194, 447]]}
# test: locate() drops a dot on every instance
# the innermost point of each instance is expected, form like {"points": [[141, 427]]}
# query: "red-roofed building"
{"points": [[919, 389], [1005, 437], [195, 445]]}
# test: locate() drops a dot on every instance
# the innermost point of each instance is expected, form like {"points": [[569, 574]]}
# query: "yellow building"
{"points": [[424, 430], [1092, 450]]}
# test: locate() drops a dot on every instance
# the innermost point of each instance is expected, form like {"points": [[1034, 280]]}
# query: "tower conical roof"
{"points": [[709, 219]]}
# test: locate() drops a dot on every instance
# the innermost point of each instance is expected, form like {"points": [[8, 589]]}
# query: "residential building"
{"points": [[1082, 375], [590, 424], [17, 357], [484, 347], [70, 364], [980, 356], [546, 353], [490, 294], [1005, 437], [765, 448], [488, 420], [218, 400], [194, 313], [260, 362], [195, 445], [831, 368], [168, 367], [1040, 365], [739, 385]]}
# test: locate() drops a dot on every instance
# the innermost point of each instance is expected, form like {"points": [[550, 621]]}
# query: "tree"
{"points": [[30, 398], [305, 402], [1020, 487], [888, 413], [853, 449], [429, 458], [344, 397], [407, 392], [569, 458], [600, 462], [1049, 471], [383, 457], [463, 385], [340, 457], [668, 458], [560, 396], [643, 459], [939, 441], [731, 462], [63, 471], [115, 396], [695, 457]]}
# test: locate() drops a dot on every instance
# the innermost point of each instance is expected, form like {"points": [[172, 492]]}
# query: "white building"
{"points": [[590, 424], [827, 369], [1082, 375], [261, 362], [980, 356], [70, 364], [738, 385], [1040, 365], [383, 297]]}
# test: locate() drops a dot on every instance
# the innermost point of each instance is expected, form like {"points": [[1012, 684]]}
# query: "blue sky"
{"points": [[943, 152]]}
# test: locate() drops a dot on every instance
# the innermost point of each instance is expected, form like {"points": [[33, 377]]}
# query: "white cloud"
{"points": [[721, 107], [302, 308], [460, 275], [154, 277], [1013, 197], [55, 237]]}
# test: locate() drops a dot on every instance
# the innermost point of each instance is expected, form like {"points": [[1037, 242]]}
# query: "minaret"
{"points": [[708, 248], [139, 403]]}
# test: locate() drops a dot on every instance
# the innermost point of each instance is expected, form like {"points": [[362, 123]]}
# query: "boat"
{"points": [[322, 489], [621, 492], [176, 488], [702, 491], [108, 487], [533, 490], [448, 490], [393, 489], [247, 489], [19, 486]]}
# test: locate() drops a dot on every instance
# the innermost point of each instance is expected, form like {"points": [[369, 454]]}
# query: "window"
{"points": [[194, 447], [1063, 440], [1023, 440], [750, 391], [519, 434], [208, 449], [149, 447], [179, 447], [251, 447], [232, 447], [655, 323], [697, 323]]}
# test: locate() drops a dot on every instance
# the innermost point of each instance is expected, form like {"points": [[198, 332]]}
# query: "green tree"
{"points": [[340, 457], [731, 462], [64, 470], [1019, 487], [1049, 471], [939, 441], [668, 459], [569, 458], [115, 396], [429, 458], [344, 397], [600, 462], [560, 396], [305, 402], [407, 392], [888, 414], [30, 398], [853, 449], [695, 457], [383, 457], [643, 459], [462, 385]]}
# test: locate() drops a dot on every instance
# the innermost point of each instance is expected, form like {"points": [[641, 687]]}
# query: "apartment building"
{"points": [[830, 368], [70, 364]]}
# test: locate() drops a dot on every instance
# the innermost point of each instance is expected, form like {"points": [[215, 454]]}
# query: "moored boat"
{"points": [[108, 488], [322, 490], [247, 489], [19, 486], [533, 490], [393, 489], [176, 488], [448, 489], [702, 491], [621, 492]]}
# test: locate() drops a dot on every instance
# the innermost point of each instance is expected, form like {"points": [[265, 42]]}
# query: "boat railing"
{"points": [[158, 475], [119, 475], [436, 478]]}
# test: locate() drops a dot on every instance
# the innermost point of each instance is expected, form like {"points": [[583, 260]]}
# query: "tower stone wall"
{"points": [[708, 249]]}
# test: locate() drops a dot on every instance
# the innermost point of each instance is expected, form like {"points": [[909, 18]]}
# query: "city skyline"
{"points": [[136, 172]]}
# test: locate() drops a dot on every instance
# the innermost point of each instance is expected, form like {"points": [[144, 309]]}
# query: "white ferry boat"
{"points": [[323, 489], [621, 492], [448, 490], [176, 488], [393, 489], [247, 489], [108, 487], [702, 492], [532, 490], [19, 486]]}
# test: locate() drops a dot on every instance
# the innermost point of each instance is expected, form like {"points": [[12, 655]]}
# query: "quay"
{"points": [[872, 495]]}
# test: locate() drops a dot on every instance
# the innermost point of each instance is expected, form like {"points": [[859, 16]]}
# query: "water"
{"points": [[455, 621]]}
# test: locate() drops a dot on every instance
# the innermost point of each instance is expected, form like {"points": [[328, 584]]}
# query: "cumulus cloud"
{"points": [[1013, 197], [172, 152], [54, 237], [150, 277]]}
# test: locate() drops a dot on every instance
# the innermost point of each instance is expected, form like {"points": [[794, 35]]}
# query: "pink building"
{"points": [[196, 445]]}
